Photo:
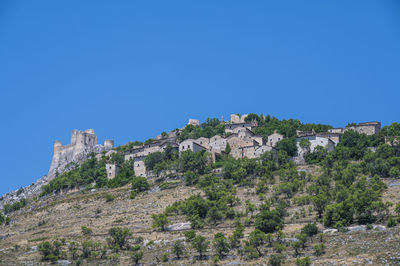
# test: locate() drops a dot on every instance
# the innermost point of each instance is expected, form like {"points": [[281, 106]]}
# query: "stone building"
{"points": [[146, 149], [232, 128], [235, 119], [217, 144], [333, 136], [369, 128], [139, 167], [315, 141], [193, 122], [251, 152], [190, 145], [112, 170], [392, 140], [274, 138], [82, 144]]}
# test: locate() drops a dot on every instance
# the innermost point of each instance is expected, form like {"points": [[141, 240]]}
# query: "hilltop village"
{"points": [[238, 140], [254, 189]]}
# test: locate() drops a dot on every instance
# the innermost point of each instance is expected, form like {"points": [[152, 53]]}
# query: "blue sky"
{"points": [[132, 69]]}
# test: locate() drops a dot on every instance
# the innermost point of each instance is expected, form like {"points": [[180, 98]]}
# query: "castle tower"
{"points": [[108, 144], [57, 146]]}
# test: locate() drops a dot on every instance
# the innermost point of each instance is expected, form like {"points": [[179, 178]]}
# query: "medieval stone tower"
{"points": [[82, 144]]}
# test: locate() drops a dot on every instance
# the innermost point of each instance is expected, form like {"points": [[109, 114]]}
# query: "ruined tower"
{"points": [[82, 144]]}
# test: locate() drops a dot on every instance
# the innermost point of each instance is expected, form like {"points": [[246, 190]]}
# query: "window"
{"points": [[110, 167], [279, 138], [109, 174], [188, 146]]}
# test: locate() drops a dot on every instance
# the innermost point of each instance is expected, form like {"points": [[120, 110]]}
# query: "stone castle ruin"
{"points": [[82, 144]]}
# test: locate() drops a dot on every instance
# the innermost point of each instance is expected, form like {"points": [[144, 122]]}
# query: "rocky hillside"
{"points": [[87, 217]]}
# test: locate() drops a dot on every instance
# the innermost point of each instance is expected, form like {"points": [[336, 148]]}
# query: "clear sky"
{"points": [[132, 69]]}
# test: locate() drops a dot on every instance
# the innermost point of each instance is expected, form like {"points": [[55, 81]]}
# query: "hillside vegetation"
{"points": [[342, 207]]}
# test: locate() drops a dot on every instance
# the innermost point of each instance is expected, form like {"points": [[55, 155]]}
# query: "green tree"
{"points": [[200, 244], [227, 148], [119, 237], [310, 229], [160, 221], [257, 239], [86, 230], [303, 262], [319, 249], [152, 159], [276, 260], [288, 145], [214, 215], [221, 245], [140, 184], [269, 221], [136, 255], [179, 249]]}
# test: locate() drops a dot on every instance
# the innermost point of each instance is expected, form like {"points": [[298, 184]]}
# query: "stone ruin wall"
{"points": [[82, 144]]}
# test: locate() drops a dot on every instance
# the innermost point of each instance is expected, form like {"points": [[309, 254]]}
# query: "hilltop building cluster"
{"points": [[242, 142], [239, 141]]}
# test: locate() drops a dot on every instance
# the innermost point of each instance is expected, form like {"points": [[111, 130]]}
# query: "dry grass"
{"points": [[65, 214]]}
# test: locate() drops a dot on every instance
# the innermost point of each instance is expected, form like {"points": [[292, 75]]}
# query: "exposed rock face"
{"points": [[64, 159], [25, 192]]}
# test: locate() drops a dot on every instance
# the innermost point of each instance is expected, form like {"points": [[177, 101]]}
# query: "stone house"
{"points": [[333, 136], [203, 142], [369, 128], [217, 144], [235, 141], [315, 141], [138, 166], [112, 170], [144, 150], [251, 152], [193, 122], [274, 138], [232, 128], [191, 145]]}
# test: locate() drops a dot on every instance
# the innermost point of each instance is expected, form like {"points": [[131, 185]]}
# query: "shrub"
{"points": [[119, 237], [50, 252], [269, 221], [160, 221], [109, 197], [310, 229], [391, 222], [136, 256], [276, 260], [179, 249], [249, 252], [164, 257], [86, 230], [303, 262], [200, 244], [140, 184], [221, 245], [319, 249], [133, 194]]}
